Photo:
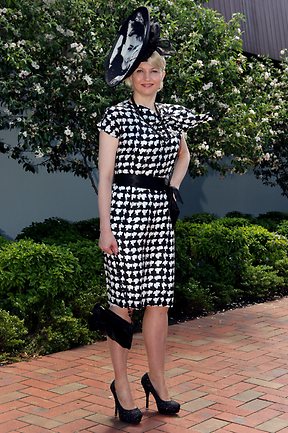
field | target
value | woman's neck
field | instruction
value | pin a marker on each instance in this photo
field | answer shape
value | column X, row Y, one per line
column 146, row 101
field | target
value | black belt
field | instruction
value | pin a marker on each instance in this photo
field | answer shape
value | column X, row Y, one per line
column 141, row 181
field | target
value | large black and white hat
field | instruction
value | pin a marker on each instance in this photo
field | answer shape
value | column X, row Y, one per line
column 136, row 40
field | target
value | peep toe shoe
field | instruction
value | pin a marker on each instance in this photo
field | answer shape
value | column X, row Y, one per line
column 130, row 416
column 165, row 407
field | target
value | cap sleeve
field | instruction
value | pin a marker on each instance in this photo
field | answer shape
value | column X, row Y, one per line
column 110, row 122
column 186, row 118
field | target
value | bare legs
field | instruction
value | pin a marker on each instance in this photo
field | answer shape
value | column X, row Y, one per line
column 155, row 326
column 119, row 357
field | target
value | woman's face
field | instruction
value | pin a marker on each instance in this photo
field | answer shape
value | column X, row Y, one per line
column 147, row 79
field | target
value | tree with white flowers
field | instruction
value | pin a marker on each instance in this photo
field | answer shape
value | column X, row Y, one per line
column 52, row 87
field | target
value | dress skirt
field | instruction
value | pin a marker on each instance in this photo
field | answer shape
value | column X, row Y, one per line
column 142, row 274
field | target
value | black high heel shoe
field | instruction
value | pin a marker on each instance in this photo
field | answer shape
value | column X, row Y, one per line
column 166, row 407
column 131, row 416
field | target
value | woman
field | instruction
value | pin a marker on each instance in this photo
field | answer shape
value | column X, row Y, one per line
column 141, row 149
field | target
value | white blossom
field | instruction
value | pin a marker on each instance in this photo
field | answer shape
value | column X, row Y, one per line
column 175, row 97
column 203, row 146
column 199, row 63
column 39, row 89
column 88, row 79
column 23, row 74
column 60, row 30
column 68, row 132
column 35, row 65
column 69, row 32
column 49, row 37
column 218, row 153
column 267, row 156
column 78, row 47
column 214, row 62
column 39, row 153
column 94, row 114
column 236, row 91
column 267, row 76
column 207, row 86
column 83, row 135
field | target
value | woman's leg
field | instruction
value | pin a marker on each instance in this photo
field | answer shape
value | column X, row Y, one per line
column 155, row 328
column 119, row 357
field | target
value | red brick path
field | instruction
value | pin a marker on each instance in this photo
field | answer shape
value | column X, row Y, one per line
column 228, row 370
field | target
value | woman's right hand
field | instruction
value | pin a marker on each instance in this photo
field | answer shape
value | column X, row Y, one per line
column 107, row 242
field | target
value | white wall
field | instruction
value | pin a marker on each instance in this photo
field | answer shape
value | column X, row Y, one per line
column 246, row 194
column 27, row 197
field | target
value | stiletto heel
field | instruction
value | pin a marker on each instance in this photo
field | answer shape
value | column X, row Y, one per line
column 131, row 416
column 166, row 407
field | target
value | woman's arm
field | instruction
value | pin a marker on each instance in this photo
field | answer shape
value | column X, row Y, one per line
column 181, row 165
column 106, row 163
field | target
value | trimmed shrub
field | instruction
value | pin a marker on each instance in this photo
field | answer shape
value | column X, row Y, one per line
column 200, row 218
column 218, row 254
column 191, row 300
column 12, row 333
column 271, row 220
column 59, row 231
column 282, row 228
column 3, row 241
column 261, row 281
column 51, row 230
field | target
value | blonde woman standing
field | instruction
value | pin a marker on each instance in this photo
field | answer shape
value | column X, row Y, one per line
column 142, row 150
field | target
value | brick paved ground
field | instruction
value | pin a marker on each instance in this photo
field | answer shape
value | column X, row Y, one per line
column 228, row 370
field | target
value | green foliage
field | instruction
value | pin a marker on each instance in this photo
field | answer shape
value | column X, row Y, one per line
column 261, row 281
column 12, row 333
column 282, row 228
column 271, row 220
column 224, row 255
column 47, row 290
column 53, row 90
column 64, row 332
column 3, row 241
column 191, row 300
column 201, row 218
column 51, row 230
column 59, row 231
column 34, row 278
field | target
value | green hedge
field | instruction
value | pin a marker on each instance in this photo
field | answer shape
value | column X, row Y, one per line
column 47, row 289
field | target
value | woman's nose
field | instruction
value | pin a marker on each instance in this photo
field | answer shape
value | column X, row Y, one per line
column 146, row 75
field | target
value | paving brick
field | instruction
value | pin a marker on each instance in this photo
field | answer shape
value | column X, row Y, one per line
column 229, row 371
column 273, row 425
column 210, row 426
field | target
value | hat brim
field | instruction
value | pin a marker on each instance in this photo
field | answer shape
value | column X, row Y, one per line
column 128, row 48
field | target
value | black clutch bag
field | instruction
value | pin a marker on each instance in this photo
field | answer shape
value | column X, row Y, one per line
column 173, row 196
column 118, row 329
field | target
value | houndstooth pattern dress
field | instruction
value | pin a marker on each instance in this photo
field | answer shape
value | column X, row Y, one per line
column 143, row 271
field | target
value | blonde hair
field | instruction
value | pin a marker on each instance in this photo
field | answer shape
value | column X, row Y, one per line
column 156, row 60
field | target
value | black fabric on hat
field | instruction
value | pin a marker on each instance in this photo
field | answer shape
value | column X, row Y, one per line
column 136, row 41
column 128, row 47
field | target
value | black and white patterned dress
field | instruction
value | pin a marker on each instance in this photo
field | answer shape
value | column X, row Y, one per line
column 143, row 272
